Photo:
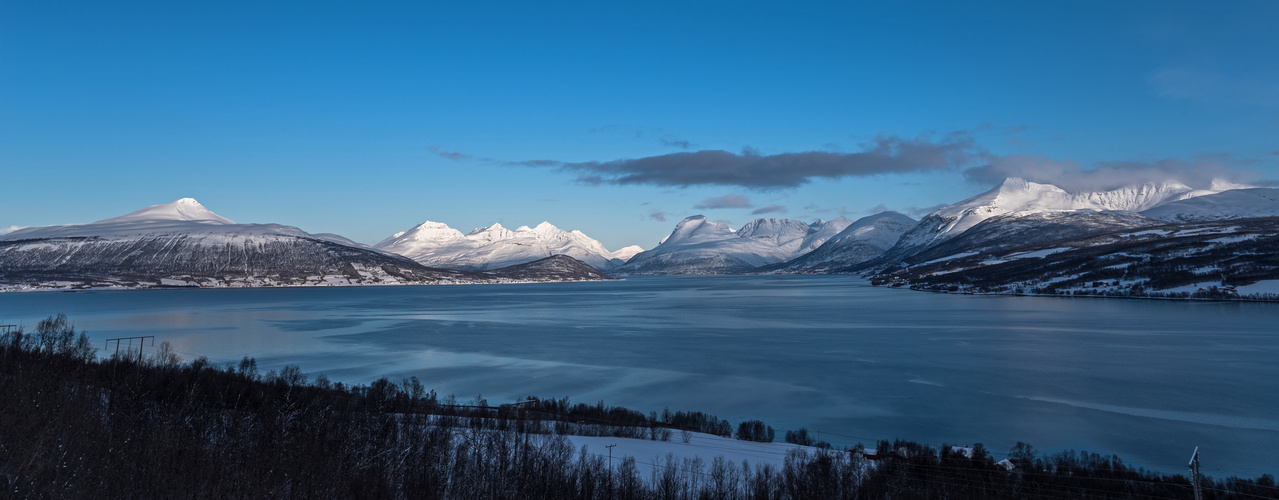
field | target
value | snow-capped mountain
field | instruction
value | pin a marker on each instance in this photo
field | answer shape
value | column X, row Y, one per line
column 435, row 244
column 181, row 215
column 700, row 246
column 859, row 242
column 1029, row 237
column 1017, row 196
column 625, row 253
column 1233, row 204
column 184, row 243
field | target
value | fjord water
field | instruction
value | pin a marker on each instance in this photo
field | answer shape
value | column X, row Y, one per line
column 1148, row 380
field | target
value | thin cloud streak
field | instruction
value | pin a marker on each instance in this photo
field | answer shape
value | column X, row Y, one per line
column 771, row 209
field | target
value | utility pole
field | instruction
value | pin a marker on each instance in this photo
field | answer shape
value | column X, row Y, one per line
column 141, row 343
column 610, row 463
column 1194, row 473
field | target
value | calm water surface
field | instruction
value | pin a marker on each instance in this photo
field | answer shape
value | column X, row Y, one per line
column 1148, row 380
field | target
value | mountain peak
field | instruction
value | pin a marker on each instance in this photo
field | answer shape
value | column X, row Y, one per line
column 431, row 225
column 625, row 253
column 496, row 228
column 184, row 209
column 495, row 246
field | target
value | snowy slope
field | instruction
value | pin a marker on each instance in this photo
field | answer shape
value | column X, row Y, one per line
column 822, row 231
column 1018, row 196
column 858, row 242
column 650, row 454
column 434, row 244
column 700, row 246
column 1232, row 204
column 625, row 253
column 185, row 217
column 182, row 242
column 1122, row 254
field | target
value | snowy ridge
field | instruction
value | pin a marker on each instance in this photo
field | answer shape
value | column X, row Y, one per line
column 435, row 244
column 823, row 230
column 1018, row 196
column 700, row 246
column 1233, row 204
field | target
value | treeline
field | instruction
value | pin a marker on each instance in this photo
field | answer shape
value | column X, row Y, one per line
column 74, row 426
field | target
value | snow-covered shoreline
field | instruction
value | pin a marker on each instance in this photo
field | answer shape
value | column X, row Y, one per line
column 60, row 287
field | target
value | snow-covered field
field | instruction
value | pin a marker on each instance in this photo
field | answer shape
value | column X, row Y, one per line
column 1264, row 286
column 648, row 453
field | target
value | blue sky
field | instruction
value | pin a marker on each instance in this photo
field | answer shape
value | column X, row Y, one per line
column 616, row 119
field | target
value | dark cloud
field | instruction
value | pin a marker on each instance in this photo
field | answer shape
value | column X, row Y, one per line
column 771, row 209
column 1198, row 173
column 883, row 155
column 658, row 215
column 726, row 201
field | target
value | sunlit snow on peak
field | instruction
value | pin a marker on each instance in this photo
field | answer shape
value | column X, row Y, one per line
column 184, row 210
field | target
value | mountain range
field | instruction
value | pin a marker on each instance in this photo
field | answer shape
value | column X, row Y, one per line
column 1018, row 236
column 436, row 244
column 182, row 243
column 700, row 246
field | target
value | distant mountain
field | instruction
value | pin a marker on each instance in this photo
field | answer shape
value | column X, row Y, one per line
column 700, row 246
column 182, row 243
column 553, row 268
column 861, row 241
column 625, row 253
column 437, row 245
column 1233, row 204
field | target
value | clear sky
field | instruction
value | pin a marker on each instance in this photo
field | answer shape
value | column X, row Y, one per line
column 616, row 118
